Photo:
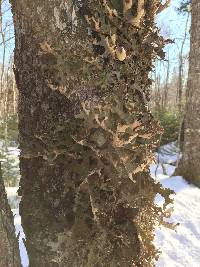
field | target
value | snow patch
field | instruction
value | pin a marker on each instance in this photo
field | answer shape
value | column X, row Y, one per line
column 180, row 248
column 14, row 201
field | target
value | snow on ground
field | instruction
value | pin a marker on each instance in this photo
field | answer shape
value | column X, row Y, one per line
column 13, row 198
column 180, row 248
column 14, row 203
column 18, row 228
column 168, row 154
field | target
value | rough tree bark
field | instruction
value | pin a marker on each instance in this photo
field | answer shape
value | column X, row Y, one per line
column 189, row 165
column 9, row 249
column 86, row 135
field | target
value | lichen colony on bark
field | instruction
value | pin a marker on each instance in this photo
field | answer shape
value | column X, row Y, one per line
column 86, row 135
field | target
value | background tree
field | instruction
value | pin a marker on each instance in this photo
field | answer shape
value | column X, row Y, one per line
column 170, row 76
column 189, row 165
column 86, row 135
column 180, row 72
column 7, row 84
column 8, row 96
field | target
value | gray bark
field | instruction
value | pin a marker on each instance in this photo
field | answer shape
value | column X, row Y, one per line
column 189, row 166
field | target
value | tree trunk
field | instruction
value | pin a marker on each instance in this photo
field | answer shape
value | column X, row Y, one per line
column 9, row 252
column 166, row 88
column 86, row 135
column 189, row 165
